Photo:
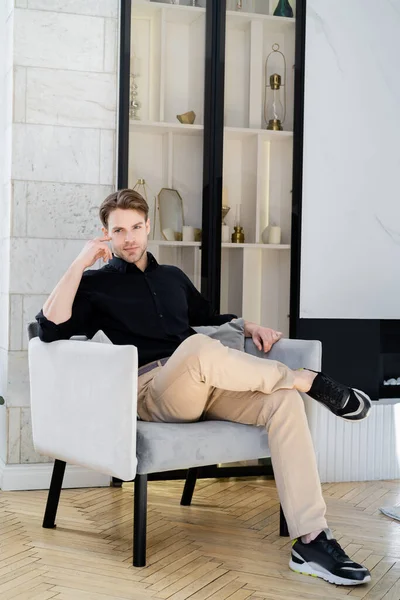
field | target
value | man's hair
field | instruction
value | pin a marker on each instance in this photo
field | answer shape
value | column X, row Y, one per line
column 125, row 199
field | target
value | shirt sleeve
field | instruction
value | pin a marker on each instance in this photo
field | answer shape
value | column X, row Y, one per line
column 78, row 324
column 200, row 310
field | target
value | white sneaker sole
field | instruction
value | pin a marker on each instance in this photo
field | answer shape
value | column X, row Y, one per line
column 367, row 401
column 305, row 569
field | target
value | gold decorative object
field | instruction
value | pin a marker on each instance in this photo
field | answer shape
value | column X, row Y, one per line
column 187, row 118
column 274, row 110
column 238, row 235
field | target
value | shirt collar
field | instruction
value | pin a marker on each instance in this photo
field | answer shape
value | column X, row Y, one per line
column 124, row 267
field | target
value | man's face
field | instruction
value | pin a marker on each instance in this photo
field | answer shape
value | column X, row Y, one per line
column 129, row 231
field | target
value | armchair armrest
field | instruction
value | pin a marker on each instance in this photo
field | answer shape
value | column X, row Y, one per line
column 84, row 400
column 293, row 353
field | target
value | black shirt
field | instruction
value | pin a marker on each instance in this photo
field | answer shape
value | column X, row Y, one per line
column 153, row 310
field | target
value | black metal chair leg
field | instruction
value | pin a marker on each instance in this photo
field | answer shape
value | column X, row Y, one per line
column 190, row 483
column 283, row 528
column 140, row 521
column 115, row 482
column 54, row 494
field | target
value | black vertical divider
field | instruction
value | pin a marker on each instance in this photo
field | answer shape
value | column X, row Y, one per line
column 297, row 185
column 213, row 151
column 124, row 82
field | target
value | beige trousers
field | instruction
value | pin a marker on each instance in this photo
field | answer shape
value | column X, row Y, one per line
column 203, row 378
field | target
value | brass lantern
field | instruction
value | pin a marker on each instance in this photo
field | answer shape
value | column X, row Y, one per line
column 274, row 108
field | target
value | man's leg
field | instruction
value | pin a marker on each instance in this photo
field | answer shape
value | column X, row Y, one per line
column 191, row 383
column 179, row 390
column 203, row 363
column 292, row 453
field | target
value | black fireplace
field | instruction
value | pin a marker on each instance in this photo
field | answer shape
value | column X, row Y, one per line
column 390, row 359
column 363, row 353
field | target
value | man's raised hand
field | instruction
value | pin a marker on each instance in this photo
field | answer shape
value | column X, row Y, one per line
column 93, row 250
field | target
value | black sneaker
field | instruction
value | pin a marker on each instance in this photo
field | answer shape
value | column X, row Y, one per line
column 325, row 558
column 343, row 401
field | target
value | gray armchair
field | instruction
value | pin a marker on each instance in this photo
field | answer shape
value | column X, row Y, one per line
column 84, row 412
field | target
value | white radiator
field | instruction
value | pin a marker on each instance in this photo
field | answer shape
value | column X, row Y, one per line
column 364, row 451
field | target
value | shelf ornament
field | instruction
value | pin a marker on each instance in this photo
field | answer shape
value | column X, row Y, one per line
column 134, row 104
column 274, row 109
column 283, row 9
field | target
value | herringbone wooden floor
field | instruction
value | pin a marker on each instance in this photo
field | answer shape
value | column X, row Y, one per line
column 225, row 545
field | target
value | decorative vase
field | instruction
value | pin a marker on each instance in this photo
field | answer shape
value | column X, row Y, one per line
column 283, row 9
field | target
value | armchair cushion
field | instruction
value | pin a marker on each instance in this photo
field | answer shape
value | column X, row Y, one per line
column 169, row 446
column 230, row 334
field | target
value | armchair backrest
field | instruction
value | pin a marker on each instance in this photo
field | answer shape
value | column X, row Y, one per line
column 84, row 402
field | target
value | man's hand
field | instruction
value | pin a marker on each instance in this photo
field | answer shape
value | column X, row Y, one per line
column 263, row 337
column 92, row 251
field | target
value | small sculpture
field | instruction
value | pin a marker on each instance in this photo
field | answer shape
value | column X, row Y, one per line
column 187, row 118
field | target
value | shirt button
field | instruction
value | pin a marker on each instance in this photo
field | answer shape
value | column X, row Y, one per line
column 160, row 316
column 154, row 293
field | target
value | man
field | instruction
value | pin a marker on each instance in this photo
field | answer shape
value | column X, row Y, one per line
column 184, row 376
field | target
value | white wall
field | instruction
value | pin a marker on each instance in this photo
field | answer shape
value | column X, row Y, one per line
column 6, row 82
column 64, row 66
column 351, row 208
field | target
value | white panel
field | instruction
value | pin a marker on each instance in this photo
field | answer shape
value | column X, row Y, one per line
column 107, row 157
column 373, row 445
column 14, row 440
column 197, row 42
column 48, row 39
column 252, row 278
column 232, row 178
column 110, row 45
column 141, row 64
column 15, row 323
column 351, row 213
column 98, row 8
column 57, row 97
column 47, row 259
column 232, row 281
column 256, row 70
column 3, row 409
column 237, row 77
column 249, row 188
column 77, row 204
column 263, row 178
column 20, row 76
column 48, row 153
column 187, row 175
column 4, row 320
column 177, row 65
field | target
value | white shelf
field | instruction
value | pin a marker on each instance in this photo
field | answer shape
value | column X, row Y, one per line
column 240, row 20
column 224, row 245
column 173, row 13
column 175, row 244
column 240, row 133
column 231, row 133
column 188, row 14
column 258, row 246
column 164, row 127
